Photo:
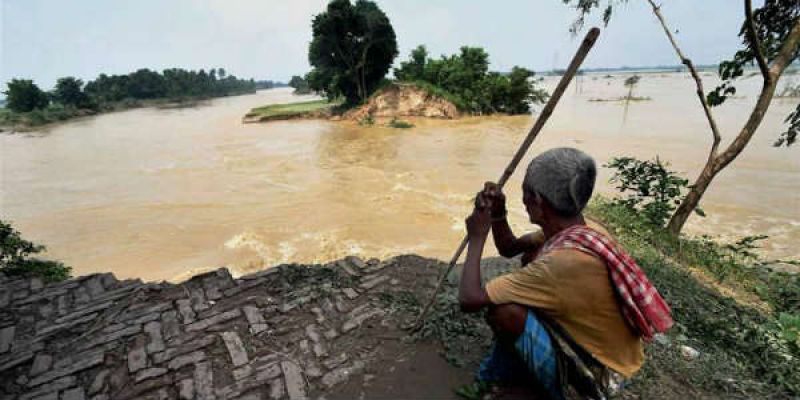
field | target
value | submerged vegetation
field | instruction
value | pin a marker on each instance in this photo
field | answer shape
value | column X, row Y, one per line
column 290, row 110
column 29, row 106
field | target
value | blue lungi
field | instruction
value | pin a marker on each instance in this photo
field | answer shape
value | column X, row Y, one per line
column 534, row 358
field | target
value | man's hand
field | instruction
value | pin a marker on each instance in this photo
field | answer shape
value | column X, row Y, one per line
column 494, row 195
column 480, row 222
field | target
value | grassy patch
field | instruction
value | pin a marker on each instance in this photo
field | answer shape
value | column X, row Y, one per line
column 289, row 110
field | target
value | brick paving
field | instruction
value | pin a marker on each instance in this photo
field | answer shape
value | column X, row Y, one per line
column 282, row 333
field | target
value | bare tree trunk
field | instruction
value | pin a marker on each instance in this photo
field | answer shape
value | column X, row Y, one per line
column 717, row 163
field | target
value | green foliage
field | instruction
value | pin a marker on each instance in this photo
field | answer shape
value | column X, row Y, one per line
column 172, row 83
column 69, row 92
column 400, row 124
column 369, row 120
column 15, row 257
column 352, row 49
column 789, row 136
column 651, row 188
column 23, row 95
column 632, row 81
column 790, row 328
column 466, row 77
column 300, row 85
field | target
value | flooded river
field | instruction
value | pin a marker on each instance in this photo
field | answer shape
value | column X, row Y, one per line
column 163, row 194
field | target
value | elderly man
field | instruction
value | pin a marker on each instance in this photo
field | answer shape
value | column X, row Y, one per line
column 579, row 308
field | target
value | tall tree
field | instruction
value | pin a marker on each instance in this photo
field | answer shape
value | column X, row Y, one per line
column 69, row 92
column 414, row 68
column 23, row 95
column 771, row 41
column 352, row 49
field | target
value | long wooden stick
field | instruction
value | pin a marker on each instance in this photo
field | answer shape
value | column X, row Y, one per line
column 583, row 50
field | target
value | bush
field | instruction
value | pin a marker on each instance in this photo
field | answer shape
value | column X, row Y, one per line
column 15, row 257
column 400, row 124
column 466, row 77
column 651, row 188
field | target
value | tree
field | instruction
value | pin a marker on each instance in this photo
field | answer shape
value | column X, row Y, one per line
column 299, row 84
column 771, row 40
column 414, row 68
column 631, row 83
column 23, row 96
column 69, row 92
column 352, row 49
column 466, row 80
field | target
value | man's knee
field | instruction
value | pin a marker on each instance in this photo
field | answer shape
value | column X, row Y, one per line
column 507, row 320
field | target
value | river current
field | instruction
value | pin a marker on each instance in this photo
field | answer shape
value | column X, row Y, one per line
column 168, row 193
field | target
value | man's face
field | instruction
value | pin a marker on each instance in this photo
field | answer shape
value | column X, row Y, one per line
column 533, row 205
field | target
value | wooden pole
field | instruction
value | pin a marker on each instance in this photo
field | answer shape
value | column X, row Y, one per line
column 580, row 55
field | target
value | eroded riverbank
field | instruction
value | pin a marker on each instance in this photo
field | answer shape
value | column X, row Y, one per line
column 165, row 194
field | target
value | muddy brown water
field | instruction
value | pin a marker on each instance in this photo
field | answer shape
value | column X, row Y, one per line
column 167, row 193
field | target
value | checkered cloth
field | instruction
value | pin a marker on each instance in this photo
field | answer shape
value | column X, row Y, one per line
column 643, row 308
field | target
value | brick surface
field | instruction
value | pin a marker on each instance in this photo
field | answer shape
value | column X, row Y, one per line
column 235, row 348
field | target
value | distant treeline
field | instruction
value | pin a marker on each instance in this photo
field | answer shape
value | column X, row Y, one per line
column 27, row 104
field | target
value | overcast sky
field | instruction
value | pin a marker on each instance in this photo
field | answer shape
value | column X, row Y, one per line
column 268, row 39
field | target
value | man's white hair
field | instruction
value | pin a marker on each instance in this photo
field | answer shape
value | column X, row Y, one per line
column 564, row 177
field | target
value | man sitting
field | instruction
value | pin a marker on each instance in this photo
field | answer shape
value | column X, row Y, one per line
column 580, row 307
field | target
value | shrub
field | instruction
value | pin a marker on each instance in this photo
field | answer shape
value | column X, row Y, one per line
column 651, row 188
column 15, row 257
column 400, row 124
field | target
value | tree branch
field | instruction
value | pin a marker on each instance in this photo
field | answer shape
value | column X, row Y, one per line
column 779, row 64
column 787, row 51
column 699, row 82
column 755, row 42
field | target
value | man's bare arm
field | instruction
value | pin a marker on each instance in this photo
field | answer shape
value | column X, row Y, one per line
column 509, row 245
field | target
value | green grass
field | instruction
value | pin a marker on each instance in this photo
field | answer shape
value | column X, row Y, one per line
column 288, row 110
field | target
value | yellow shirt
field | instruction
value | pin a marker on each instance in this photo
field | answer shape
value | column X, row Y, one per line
column 573, row 289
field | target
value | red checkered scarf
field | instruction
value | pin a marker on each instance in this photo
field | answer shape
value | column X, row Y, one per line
column 643, row 308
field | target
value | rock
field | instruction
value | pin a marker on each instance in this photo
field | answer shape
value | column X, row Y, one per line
column 137, row 359
column 185, row 309
column 255, row 318
column 359, row 319
column 213, row 320
column 350, row 293
column 73, row 394
column 99, row 382
column 82, row 362
column 204, row 381
column 276, row 389
column 372, row 281
column 6, row 338
column 153, row 329
column 293, row 378
column 41, row 364
column 235, row 348
column 186, row 389
column 342, row 374
column 150, row 373
column 186, row 359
